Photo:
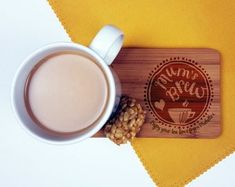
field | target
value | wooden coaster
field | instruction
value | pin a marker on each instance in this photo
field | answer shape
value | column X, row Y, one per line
column 179, row 89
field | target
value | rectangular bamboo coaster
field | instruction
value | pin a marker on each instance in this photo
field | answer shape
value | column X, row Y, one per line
column 179, row 89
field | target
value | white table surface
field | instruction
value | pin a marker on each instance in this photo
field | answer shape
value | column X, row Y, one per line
column 25, row 25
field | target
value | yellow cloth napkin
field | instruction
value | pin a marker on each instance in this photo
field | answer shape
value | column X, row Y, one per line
column 160, row 23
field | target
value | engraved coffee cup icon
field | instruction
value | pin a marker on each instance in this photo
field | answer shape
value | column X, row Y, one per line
column 180, row 115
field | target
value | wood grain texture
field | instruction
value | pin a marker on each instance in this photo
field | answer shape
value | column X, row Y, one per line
column 144, row 75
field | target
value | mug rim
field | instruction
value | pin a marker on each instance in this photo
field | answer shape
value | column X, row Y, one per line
column 110, row 101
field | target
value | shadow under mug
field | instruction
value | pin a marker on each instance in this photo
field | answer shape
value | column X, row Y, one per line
column 103, row 48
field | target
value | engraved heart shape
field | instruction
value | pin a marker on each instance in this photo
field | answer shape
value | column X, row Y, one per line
column 160, row 104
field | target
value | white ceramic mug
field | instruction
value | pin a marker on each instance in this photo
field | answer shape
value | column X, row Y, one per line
column 104, row 48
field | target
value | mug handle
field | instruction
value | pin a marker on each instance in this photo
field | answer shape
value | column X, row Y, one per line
column 107, row 43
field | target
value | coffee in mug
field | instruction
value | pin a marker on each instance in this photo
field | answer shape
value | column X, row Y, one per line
column 66, row 92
